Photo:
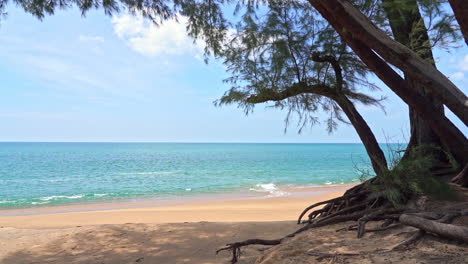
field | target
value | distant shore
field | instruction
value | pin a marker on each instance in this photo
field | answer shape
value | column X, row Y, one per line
column 214, row 208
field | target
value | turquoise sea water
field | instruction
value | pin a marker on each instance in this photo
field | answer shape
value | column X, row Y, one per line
column 38, row 174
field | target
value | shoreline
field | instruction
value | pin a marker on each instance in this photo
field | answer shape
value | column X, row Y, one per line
column 172, row 200
column 236, row 208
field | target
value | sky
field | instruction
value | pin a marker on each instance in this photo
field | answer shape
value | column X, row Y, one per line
column 98, row 78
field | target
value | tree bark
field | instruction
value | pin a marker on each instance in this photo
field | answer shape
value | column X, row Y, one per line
column 445, row 230
column 342, row 14
column 460, row 9
column 442, row 126
column 408, row 28
column 376, row 154
column 378, row 160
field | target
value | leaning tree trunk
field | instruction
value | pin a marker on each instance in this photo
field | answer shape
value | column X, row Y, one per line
column 343, row 16
column 373, row 149
column 379, row 163
column 408, row 28
column 460, row 9
column 442, row 126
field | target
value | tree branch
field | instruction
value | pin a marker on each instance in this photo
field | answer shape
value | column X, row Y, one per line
column 293, row 90
column 334, row 63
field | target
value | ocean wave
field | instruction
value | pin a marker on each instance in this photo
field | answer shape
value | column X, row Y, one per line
column 148, row 173
column 100, row 194
column 270, row 188
column 55, row 197
column 36, row 203
column 6, row 202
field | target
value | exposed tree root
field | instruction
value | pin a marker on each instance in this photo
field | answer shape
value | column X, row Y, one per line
column 408, row 242
column 235, row 247
column 445, row 230
column 462, row 177
column 360, row 205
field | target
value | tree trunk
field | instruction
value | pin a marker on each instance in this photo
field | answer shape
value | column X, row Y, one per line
column 373, row 149
column 443, row 127
column 379, row 163
column 460, row 9
column 408, row 28
column 342, row 14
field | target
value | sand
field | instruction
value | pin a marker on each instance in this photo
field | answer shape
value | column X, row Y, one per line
column 192, row 232
column 163, row 234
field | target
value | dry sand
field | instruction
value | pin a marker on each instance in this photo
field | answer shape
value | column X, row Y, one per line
column 164, row 234
column 191, row 233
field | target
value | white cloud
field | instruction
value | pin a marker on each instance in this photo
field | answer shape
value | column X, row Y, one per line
column 464, row 64
column 86, row 38
column 457, row 76
column 169, row 38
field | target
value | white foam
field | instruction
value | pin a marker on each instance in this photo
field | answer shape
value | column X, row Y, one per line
column 55, row 197
column 148, row 173
column 100, row 194
column 34, row 203
column 188, row 189
column 5, row 202
column 270, row 188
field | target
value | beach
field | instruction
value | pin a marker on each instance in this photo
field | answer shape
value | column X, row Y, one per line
column 191, row 233
column 163, row 234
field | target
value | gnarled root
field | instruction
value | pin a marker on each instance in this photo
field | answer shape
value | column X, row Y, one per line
column 235, row 247
column 361, row 205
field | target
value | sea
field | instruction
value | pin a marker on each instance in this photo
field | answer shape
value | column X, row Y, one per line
column 48, row 174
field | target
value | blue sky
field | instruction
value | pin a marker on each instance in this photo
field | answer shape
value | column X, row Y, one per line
column 101, row 78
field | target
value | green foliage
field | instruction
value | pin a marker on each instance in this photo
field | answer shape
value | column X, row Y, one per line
column 270, row 53
column 412, row 176
column 438, row 22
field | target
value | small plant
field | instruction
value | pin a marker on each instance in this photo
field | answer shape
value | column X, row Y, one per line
column 412, row 176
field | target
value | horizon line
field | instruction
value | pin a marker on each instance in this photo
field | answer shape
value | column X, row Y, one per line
column 193, row 142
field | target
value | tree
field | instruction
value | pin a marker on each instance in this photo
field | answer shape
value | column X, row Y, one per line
column 342, row 14
column 290, row 57
column 408, row 28
column 303, row 69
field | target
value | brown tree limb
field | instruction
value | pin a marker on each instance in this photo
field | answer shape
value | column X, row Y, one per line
column 342, row 14
column 460, row 9
column 378, row 160
column 442, row 126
